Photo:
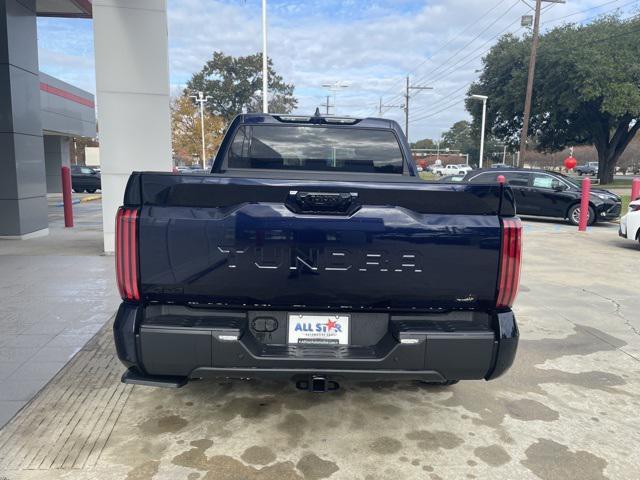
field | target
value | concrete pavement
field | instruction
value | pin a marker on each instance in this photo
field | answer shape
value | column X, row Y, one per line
column 567, row 409
column 56, row 293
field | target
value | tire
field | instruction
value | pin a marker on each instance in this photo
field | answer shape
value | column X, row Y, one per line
column 574, row 215
column 90, row 190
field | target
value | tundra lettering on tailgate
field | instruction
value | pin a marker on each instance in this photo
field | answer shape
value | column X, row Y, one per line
column 324, row 259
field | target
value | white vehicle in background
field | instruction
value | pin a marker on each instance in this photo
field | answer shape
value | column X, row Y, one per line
column 630, row 223
column 461, row 169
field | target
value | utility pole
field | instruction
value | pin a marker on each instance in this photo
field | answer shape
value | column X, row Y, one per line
column 334, row 87
column 265, row 68
column 387, row 106
column 532, row 69
column 408, row 89
column 328, row 97
column 201, row 99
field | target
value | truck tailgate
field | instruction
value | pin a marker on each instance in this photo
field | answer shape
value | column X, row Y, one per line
column 275, row 243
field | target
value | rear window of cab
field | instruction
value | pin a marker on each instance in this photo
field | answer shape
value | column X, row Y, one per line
column 315, row 148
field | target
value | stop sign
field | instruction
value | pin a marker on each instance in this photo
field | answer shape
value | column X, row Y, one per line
column 570, row 162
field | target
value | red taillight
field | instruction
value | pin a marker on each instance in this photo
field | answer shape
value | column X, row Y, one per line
column 510, row 257
column 127, row 253
column 634, row 207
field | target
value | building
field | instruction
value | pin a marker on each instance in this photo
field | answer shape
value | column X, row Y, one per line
column 38, row 116
column 37, row 112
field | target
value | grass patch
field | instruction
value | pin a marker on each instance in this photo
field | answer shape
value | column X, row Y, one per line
column 428, row 176
column 625, row 204
column 617, row 183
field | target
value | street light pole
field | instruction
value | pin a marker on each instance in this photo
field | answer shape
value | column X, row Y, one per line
column 333, row 88
column 483, row 98
column 201, row 99
column 265, row 67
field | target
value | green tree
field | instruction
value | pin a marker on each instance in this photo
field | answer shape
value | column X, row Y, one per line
column 465, row 137
column 424, row 143
column 235, row 86
column 586, row 89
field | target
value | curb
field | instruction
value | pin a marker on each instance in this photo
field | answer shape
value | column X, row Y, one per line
column 75, row 201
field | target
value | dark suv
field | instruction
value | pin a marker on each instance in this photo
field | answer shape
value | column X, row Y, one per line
column 550, row 194
column 85, row 179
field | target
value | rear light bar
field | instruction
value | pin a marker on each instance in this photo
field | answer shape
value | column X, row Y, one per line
column 510, row 259
column 127, row 253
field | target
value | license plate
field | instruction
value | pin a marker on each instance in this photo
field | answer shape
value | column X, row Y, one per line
column 319, row 329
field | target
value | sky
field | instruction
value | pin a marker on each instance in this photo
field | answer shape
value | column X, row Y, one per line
column 368, row 46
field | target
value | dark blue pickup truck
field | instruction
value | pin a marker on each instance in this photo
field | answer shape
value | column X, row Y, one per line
column 314, row 252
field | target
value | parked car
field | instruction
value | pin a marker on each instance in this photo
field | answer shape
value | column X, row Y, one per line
column 313, row 251
column 630, row 223
column 551, row 194
column 452, row 169
column 85, row 179
column 499, row 165
column 587, row 169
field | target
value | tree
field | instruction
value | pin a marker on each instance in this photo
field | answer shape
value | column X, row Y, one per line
column 586, row 89
column 465, row 137
column 425, row 143
column 186, row 130
column 235, row 86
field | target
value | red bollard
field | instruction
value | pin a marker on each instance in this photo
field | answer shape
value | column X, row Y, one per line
column 635, row 188
column 501, row 179
column 584, row 204
column 66, row 197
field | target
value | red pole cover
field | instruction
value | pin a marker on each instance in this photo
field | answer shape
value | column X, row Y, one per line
column 66, row 197
column 584, row 204
column 635, row 188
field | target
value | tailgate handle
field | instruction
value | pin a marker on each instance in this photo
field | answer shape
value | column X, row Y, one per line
column 324, row 202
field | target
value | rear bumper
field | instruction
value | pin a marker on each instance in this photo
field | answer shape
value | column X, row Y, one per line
column 457, row 346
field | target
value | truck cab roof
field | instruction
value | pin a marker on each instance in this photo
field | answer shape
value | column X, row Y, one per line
column 277, row 118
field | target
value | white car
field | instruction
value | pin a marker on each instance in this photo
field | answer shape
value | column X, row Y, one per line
column 452, row 169
column 630, row 223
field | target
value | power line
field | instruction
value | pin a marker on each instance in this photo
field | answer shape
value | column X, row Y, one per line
column 587, row 10
column 448, row 42
column 433, row 72
column 455, row 102
column 446, row 107
column 473, row 55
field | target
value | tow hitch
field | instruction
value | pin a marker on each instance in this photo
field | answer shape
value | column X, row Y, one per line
column 317, row 384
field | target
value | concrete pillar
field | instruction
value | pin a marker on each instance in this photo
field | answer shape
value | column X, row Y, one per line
column 132, row 83
column 56, row 154
column 23, row 201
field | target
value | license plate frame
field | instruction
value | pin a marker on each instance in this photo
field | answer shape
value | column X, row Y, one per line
column 330, row 329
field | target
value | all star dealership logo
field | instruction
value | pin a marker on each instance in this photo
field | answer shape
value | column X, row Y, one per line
column 328, row 326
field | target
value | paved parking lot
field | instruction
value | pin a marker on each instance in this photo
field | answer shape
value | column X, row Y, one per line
column 567, row 409
column 56, row 293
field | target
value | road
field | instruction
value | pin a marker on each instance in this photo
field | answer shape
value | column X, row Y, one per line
column 567, row 409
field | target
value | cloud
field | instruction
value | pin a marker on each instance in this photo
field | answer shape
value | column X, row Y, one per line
column 369, row 44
